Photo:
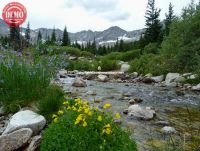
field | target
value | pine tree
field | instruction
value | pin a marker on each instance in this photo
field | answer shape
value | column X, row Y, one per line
column 169, row 18
column 27, row 35
column 65, row 39
column 39, row 37
column 121, row 45
column 53, row 37
column 14, row 37
column 153, row 26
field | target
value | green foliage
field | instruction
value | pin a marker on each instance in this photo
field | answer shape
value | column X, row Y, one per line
column 51, row 101
column 20, row 83
column 82, row 65
column 181, row 49
column 148, row 63
column 108, row 65
column 153, row 31
column 151, row 48
column 79, row 127
column 65, row 39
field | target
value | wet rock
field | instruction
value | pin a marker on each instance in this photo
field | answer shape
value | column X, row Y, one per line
column 136, row 111
column 102, row 78
column 172, row 84
column 131, row 102
column 193, row 76
column 62, row 74
column 148, row 80
column 180, row 93
column 163, row 123
column 79, row 82
column 168, row 130
column 196, row 88
column 171, row 77
column 118, row 121
column 35, row 142
column 26, row 119
column 72, row 58
column 125, row 67
column 158, row 78
column 91, row 93
column 89, row 76
column 125, row 111
column 134, row 101
column 15, row 140
column 149, row 75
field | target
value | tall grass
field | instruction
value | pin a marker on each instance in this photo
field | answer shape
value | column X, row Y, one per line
column 21, row 83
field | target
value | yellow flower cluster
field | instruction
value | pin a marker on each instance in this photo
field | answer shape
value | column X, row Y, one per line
column 107, row 129
column 84, row 113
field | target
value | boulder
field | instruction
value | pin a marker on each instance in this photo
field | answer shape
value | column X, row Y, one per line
column 26, row 119
column 102, row 78
column 143, row 113
column 62, row 74
column 35, row 142
column 196, row 88
column 125, row 67
column 79, row 82
column 158, row 78
column 134, row 74
column 15, row 140
column 172, row 77
column 134, row 101
column 149, row 75
column 148, row 80
column 168, row 130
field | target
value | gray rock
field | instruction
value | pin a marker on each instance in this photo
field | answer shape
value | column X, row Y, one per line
column 62, row 74
column 196, row 88
column 15, row 140
column 102, row 78
column 91, row 93
column 131, row 102
column 163, row 123
column 168, row 130
column 79, row 82
column 125, row 111
column 142, row 113
column 72, row 58
column 193, row 76
column 35, row 142
column 172, row 77
column 149, row 75
column 125, row 67
column 158, row 78
column 26, row 119
column 148, row 80
column 134, row 101
column 118, row 121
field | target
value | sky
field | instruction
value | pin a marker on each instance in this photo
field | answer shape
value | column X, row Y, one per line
column 96, row 15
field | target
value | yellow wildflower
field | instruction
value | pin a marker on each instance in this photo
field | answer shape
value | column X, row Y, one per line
column 60, row 112
column 99, row 118
column 69, row 108
column 84, row 124
column 107, row 129
column 89, row 113
column 107, row 105
column 65, row 103
column 117, row 116
column 86, row 111
column 55, row 120
column 54, row 116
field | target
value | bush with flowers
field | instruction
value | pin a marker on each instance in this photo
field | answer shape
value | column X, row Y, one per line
column 80, row 127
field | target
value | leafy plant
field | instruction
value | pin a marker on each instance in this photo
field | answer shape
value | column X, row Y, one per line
column 80, row 127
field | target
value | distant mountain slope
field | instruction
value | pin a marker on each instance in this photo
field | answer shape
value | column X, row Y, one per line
column 109, row 35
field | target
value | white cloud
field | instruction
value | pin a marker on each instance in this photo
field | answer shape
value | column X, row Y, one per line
column 91, row 14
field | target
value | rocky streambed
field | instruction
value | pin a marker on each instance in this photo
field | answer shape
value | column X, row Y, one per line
column 154, row 114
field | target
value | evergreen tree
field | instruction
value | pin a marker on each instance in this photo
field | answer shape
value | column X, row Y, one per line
column 14, row 37
column 153, row 31
column 27, row 35
column 169, row 18
column 121, row 45
column 39, row 37
column 65, row 39
column 53, row 37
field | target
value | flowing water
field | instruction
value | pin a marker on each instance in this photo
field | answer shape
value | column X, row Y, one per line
column 180, row 108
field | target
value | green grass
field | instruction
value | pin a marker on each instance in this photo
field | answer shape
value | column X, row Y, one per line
column 77, row 127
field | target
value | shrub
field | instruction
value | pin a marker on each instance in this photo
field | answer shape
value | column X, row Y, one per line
column 79, row 127
column 151, row 48
column 148, row 63
column 84, row 65
column 108, row 65
column 51, row 102
column 21, row 83
column 129, row 55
